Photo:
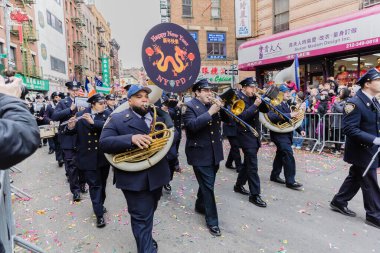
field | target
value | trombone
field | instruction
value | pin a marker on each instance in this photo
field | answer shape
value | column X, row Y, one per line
column 237, row 106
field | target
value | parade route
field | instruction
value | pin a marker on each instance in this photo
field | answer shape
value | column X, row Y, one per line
column 294, row 221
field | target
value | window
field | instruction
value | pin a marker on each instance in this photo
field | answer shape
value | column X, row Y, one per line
column 216, row 45
column 194, row 34
column 187, row 8
column 1, row 47
column 12, row 55
column 215, row 8
column 54, row 22
column 281, row 16
column 369, row 3
column 57, row 65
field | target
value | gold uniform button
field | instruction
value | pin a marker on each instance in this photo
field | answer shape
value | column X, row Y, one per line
column 212, row 132
column 89, row 133
column 89, row 141
column 96, row 141
column 95, row 134
column 213, row 141
column 96, row 147
column 89, row 148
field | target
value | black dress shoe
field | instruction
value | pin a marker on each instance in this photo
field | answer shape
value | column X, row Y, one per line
column 100, row 222
column 83, row 189
column 200, row 210
column 76, row 197
column 342, row 209
column 51, row 151
column 240, row 189
column 230, row 167
column 372, row 222
column 168, row 188
column 294, row 186
column 60, row 163
column 155, row 245
column 214, row 230
column 277, row 180
column 257, row 201
column 105, row 210
column 40, row 145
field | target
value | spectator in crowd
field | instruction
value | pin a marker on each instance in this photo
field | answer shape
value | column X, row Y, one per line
column 291, row 86
column 298, row 140
column 336, row 122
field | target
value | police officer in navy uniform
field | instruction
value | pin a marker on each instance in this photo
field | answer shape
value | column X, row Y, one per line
column 142, row 190
column 204, row 149
column 175, row 111
column 249, row 142
column 111, row 102
column 66, row 109
column 284, row 155
column 230, row 131
column 361, row 125
column 55, row 98
column 90, row 159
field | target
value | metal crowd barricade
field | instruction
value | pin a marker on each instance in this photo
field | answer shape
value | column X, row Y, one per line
column 310, row 124
column 332, row 130
column 7, row 227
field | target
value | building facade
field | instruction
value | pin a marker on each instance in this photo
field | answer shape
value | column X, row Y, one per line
column 22, row 55
column 211, row 23
column 330, row 38
column 52, row 43
column 114, row 56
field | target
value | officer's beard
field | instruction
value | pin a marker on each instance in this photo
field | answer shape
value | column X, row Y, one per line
column 142, row 111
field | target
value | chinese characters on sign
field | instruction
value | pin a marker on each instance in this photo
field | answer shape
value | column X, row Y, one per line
column 106, row 71
column 215, row 74
column 243, row 18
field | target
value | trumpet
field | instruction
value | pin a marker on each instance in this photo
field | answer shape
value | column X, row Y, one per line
column 217, row 100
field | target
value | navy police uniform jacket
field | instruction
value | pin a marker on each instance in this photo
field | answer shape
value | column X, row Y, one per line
column 116, row 138
column 230, row 128
column 361, row 125
column 203, row 135
column 48, row 113
column 275, row 118
column 62, row 113
column 251, row 116
column 89, row 156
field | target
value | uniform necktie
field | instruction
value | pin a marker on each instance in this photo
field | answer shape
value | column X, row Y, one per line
column 376, row 103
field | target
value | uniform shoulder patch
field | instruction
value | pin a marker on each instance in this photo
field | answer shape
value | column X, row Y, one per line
column 349, row 107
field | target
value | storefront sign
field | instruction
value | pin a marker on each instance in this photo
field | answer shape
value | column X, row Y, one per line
column 243, row 18
column 106, row 71
column 216, row 37
column 215, row 74
column 34, row 83
column 342, row 34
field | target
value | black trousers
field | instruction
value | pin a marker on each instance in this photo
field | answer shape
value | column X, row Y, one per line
column 76, row 177
column 284, row 159
column 205, row 198
column 141, row 207
column 234, row 155
column 249, row 171
column 370, row 189
column 2, row 250
column 57, row 148
column 97, row 182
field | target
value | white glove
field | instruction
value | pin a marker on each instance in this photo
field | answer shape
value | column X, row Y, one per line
column 376, row 141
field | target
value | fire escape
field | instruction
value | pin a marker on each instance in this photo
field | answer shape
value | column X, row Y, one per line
column 80, row 43
column 101, row 44
column 29, row 35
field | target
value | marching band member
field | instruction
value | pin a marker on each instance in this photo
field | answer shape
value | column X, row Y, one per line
column 250, row 143
column 142, row 190
column 361, row 124
column 204, row 149
column 53, row 142
column 111, row 102
column 89, row 158
column 284, row 155
column 66, row 109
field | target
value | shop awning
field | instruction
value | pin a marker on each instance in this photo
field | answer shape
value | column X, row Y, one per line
column 356, row 30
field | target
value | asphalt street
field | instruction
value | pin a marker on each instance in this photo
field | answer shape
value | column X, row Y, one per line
column 294, row 221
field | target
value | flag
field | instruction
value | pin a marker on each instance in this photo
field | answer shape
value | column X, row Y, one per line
column 98, row 83
column 297, row 74
column 89, row 88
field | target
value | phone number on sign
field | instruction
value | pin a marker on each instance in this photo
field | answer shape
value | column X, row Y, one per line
column 362, row 43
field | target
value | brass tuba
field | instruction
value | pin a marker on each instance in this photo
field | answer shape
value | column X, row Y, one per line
column 137, row 159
